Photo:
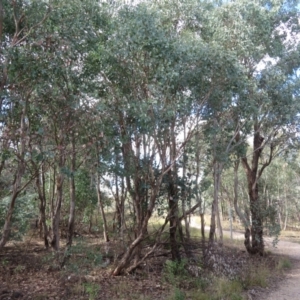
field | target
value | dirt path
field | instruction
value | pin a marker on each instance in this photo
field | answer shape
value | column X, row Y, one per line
column 289, row 287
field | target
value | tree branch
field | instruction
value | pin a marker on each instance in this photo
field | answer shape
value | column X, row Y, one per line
column 17, row 42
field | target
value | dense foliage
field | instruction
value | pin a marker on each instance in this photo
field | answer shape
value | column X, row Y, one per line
column 161, row 107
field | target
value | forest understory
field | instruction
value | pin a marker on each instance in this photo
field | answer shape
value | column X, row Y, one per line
column 29, row 271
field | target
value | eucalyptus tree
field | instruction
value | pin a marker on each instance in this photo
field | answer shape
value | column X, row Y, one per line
column 256, row 34
column 278, row 193
column 154, row 80
column 282, row 193
column 129, row 68
column 43, row 48
column 220, row 128
column 215, row 69
column 62, row 106
column 18, row 22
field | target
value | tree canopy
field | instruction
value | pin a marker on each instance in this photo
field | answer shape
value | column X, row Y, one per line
column 149, row 107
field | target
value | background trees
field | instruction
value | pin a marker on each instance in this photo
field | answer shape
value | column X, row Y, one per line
column 154, row 106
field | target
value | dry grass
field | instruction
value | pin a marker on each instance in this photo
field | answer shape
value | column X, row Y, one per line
column 290, row 235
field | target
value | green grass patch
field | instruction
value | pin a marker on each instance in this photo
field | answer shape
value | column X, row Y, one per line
column 256, row 275
column 283, row 264
column 219, row 289
column 227, row 289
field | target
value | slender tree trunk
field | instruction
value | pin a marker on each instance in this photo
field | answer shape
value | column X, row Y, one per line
column 52, row 189
column 186, row 220
column 55, row 242
column 214, row 210
column 202, row 226
column 173, row 198
column 280, row 204
column 219, row 223
column 198, row 193
column 117, row 218
column 173, row 208
column 127, row 256
column 40, row 184
column 118, row 199
column 280, row 219
column 101, row 209
column 71, row 223
column 285, row 205
column 184, row 194
column 286, row 215
column 122, row 209
column 130, row 252
column 235, row 199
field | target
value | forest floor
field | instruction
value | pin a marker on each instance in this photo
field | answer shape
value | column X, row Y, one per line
column 29, row 271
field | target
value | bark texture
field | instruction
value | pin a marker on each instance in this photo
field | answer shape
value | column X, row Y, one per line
column 254, row 242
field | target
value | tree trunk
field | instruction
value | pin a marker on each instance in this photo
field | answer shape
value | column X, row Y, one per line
column 59, row 181
column 117, row 218
column 127, row 256
column 214, row 210
column 198, row 192
column 285, row 206
column 219, row 223
column 184, row 193
column 119, row 213
column 256, row 245
column 202, row 226
column 173, row 198
column 254, row 242
column 130, row 252
column 235, row 200
column 71, row 223
column 40, row 184
column 56, row 216
column 173, row 208
column 101, row 209
column 51, row 191
column 120, row 209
